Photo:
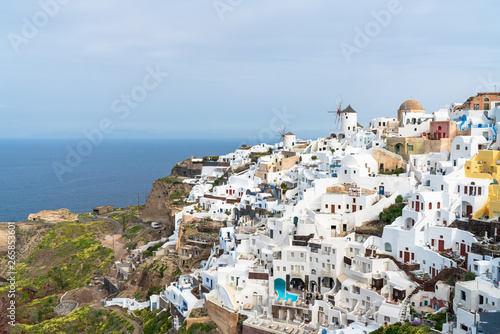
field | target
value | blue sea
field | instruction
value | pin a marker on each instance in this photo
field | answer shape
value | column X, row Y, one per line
column 40, row 175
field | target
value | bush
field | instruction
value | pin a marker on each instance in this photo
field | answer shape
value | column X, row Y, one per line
column 389, row 215
column 451, row 280
column 469, row 276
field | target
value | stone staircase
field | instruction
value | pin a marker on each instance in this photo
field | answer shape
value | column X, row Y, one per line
column 405, row 307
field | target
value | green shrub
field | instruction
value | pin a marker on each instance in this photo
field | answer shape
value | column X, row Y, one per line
column 469, row 276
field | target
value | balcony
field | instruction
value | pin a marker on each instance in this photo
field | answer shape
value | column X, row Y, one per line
column 297, row 274
column 327, row 273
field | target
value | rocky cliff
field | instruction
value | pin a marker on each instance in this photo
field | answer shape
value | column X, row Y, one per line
column 54, row 216
column 187, row 169
column 161, row 205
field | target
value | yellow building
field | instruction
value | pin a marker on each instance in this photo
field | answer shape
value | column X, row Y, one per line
column 486, row 165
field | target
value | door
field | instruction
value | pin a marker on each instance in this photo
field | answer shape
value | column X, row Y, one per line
column 407, row 257
column 462, row 250
column 441, row 245
column 381, row 190
column 332, row 208
column 468, row 213
column 354, row 208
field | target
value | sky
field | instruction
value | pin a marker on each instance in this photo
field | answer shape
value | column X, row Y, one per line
column 234, row 68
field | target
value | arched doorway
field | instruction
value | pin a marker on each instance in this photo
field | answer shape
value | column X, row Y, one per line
column 399, row 148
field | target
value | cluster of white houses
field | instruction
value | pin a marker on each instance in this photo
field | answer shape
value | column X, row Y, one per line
column 298, row 254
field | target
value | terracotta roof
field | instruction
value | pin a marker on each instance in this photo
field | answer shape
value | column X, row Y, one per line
column 411, row 104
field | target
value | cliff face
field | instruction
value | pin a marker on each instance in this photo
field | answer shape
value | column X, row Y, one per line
column 187, row 169
column 54, row 216
column 160, row 205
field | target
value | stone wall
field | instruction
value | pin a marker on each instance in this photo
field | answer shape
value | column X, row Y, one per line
column 249, row 329
column 187, row 169
column 259, row 276
column 226, row 320
column 192, row 321
column 479, row 227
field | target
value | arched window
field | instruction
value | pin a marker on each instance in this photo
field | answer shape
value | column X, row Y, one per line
column 388, row 247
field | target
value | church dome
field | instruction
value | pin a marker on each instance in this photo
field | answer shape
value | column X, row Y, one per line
column 411, row 104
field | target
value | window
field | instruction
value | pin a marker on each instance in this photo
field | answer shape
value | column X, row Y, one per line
column 464, row 328
column 293, row 255
column 481, row 299
column 439, row 205
column 430, row 206
column 410, row 147
column 463, row 295
column 476, row 106
column 458, row 147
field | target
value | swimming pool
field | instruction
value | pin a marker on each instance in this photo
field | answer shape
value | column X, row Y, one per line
column 279, row 286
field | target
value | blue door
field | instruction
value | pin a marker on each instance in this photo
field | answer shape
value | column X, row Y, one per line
column 381, row 190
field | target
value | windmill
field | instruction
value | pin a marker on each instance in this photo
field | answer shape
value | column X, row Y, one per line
column 339, row 108
column 282, row 133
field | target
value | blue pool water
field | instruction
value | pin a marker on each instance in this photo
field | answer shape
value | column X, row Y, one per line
column 279, row 286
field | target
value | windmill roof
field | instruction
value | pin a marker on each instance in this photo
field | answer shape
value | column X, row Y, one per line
column 289, row 134
column 349, row 109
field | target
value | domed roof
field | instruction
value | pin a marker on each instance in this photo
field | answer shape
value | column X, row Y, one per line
column 411, row 104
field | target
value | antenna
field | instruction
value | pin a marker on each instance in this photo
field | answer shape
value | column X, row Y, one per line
column 339, row 108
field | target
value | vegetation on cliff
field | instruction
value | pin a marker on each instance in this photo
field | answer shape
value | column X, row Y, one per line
column 66, row 257
column 155, row 322
column 389, row 215
column 399, row 328
column 82, row 320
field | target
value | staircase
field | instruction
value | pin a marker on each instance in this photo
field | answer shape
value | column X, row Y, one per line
column 405, row 307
